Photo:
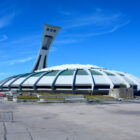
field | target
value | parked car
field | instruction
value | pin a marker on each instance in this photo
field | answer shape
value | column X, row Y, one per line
column 2, row 94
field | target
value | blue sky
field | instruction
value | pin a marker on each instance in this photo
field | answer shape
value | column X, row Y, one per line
column 105, row 33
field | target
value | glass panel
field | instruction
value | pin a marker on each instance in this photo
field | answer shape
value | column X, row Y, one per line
column 109, row 73
column 93, row 72
column 26, row 75
column 67, row 72
column 82, row 72
column 53, row 73
column 121, row 74
column 37, row 74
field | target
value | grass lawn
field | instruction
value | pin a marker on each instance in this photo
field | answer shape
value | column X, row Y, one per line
column 54, row 94
column 97, row 97
column 27, row 97
column 9, row 98
column 85, row 96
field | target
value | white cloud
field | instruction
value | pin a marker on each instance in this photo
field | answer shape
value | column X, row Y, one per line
column 3, row 38
column 65, row 41
column 113, row 29
column 53, row 49
column 3, row 74
column 6, row 19
column 16, row 61
column 26, row 39
column 24, row 60
column 98, row 23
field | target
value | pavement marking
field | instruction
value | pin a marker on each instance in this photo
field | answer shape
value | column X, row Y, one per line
column 5, row 131
column 6, row 116
column 29, row 134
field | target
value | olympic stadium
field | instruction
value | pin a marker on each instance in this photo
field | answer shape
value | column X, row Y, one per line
column 69, row 78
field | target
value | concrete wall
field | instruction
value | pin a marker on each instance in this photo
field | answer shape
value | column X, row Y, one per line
column 121, row 92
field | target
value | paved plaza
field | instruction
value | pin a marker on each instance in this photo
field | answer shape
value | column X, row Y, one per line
column 67, row 121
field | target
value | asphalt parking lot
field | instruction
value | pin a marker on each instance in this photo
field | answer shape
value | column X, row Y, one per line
column 69, row 121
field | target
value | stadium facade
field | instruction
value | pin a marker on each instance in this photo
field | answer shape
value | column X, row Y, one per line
column 67, row 78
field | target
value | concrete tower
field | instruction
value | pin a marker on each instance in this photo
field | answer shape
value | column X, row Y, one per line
column 49, row 35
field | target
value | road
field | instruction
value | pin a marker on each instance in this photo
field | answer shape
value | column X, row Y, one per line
column 69, row 121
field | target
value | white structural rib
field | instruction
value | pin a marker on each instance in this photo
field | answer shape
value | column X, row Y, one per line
column 18, row 77
column 134, row 80
column 34, row 86
column 4, row 82
column 54, row 81
column 20, row 85
column 75, row 80
column 121, row 78
column 91, row 79
column 107, row 78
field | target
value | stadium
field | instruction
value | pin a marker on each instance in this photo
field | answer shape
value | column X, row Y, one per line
column 69, row 78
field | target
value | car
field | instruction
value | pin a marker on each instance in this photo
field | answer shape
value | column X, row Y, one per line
column 2, row 94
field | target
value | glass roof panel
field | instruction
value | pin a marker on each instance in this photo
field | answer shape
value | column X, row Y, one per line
column 82, row 72
column 121, row 74
column 93, row 72
column 67, row 73
column 109, row 73
column 38, row 74
column 53, row 73
column 26, row 75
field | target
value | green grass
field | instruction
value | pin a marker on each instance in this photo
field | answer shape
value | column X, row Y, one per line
column 85, row 96
column 122, row 86
column 97, row 97
column 54, row 94
column 126, row 98
column 137, row 96
column 27, row 97
column 9, row 98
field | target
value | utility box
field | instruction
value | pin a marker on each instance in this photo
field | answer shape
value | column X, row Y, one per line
column 121, row 93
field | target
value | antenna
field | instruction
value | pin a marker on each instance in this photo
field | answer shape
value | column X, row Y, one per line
column 49, row 34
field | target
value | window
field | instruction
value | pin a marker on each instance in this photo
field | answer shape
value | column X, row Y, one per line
column 44, row 87
column 64, row 87
column 53, row 73
column 38, row 74
column 101, row 87
column 82, row 86
column 26, row 75
column 67, row 73
column 51, row 30
column 109, row 73
column 82, row 72
column 93, row 72
column 121, row 74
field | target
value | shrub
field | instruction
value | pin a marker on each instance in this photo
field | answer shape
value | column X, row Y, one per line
column 10, row 98
column 58, row 94
column 27, row 97
column 123, row 86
